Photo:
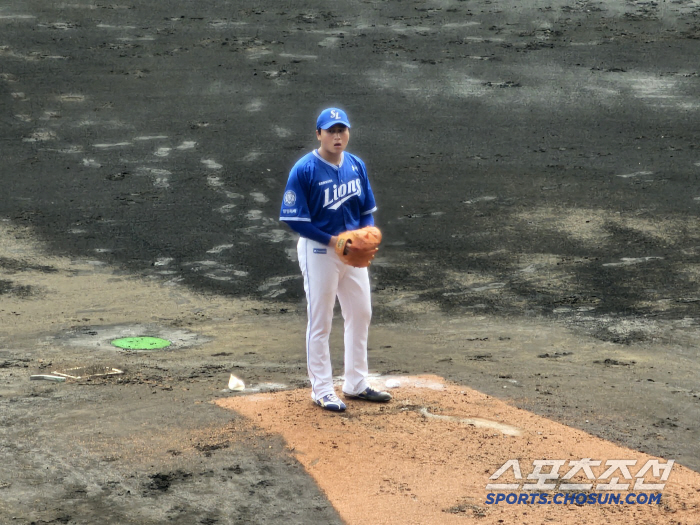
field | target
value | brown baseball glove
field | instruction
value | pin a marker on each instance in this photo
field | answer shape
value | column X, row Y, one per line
column 357, row 247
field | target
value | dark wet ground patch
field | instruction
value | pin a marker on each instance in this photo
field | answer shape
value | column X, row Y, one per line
column 613, row 362
column 12, row 265
column 452, row 176
column 213, row 471
column 554, row 355
column 19, row 290
column 16, row 362
column 162, row 481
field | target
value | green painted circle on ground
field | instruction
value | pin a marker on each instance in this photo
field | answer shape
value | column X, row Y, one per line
column 141, row 343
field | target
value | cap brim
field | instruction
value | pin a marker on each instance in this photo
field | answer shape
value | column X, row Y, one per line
column 333, row 123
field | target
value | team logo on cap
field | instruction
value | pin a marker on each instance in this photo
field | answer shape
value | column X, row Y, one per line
column 335, row 114
column 290, row 198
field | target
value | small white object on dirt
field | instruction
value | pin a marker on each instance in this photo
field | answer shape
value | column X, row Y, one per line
column 393, row 383
column 46, row 377
column 235, row 384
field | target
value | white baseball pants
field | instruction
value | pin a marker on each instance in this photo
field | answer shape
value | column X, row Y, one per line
column 325, row 278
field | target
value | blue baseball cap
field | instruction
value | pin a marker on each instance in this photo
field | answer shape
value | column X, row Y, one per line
column 330, row 117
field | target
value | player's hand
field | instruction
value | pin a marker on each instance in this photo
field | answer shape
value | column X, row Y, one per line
column 350, row 248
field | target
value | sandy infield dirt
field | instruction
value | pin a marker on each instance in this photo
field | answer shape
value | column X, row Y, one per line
column 423, row 458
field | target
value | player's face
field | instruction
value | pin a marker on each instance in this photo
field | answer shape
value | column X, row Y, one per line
column 335, row 139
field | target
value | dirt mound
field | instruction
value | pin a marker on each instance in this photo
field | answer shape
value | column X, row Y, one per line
column 428, row 456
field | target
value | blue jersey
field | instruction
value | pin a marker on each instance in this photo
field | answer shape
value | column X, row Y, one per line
column 332, row 198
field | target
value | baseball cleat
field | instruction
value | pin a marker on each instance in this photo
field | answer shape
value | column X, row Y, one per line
column 369, row 394
column 331, row 402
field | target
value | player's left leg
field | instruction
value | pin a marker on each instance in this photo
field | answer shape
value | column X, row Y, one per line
column 356, row 305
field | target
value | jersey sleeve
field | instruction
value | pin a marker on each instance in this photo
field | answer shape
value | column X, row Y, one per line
column 366, row 220
column 369, row 205
column 294, row 202
column 308, row 230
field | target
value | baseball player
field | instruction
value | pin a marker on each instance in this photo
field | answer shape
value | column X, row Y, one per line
column 328, row 193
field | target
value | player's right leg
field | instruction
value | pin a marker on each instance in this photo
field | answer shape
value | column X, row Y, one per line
column 320, row 268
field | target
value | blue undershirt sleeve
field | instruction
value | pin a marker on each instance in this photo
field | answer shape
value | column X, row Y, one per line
column 308, row 230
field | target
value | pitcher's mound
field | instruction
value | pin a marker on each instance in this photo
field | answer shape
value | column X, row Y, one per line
column 427, row 458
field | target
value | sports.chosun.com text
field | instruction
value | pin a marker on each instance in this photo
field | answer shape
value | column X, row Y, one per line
column 574, row 498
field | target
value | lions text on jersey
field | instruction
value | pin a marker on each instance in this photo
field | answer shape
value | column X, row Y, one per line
column 332, row 198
